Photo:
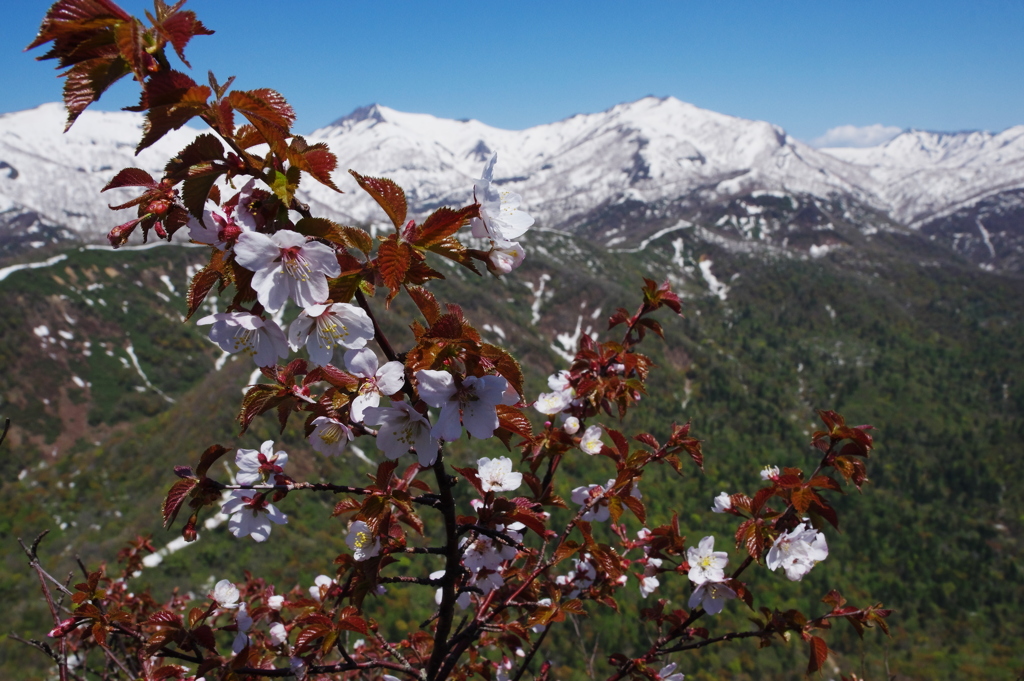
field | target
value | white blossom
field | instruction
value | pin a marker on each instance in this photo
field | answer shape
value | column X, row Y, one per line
column 402, row 427
column 321, row 585
column 387, row 380
column 323, row 328
column 463, row 600
column 769, row 472
column 496, row 475
column 650, row 581
column 552, row 403
column 275, row 602
column 560, row 382
column 278, row 634
column 219, row 228
column 243, row 622
column 723, row 502
column 256, row 467
column 505, row 256
column 797, row 551
column 500, row 218
column 571, row 425
column 706, row 564
column 591, row 440
column 667, row 675
column 581, row 577
column 250, row 516
column 363, row 544
column 598, row 512
column 261, row 339
column 287, row 266
column 711, row 596
column 226, row 594
column 649, row 585
column 473, row 406
column 329, row 436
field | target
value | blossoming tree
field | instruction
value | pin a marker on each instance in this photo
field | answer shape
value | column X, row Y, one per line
column 509, row 574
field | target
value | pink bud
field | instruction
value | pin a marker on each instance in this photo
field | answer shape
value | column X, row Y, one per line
column 64, row 627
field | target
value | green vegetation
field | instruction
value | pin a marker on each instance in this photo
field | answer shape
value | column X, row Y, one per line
column 925, row 348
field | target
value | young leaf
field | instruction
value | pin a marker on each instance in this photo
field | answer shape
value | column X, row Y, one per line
column 386, row 193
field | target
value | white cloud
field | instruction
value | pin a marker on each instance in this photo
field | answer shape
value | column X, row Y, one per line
column 856, row 136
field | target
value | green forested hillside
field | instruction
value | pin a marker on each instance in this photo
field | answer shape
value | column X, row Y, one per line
column 924, row 347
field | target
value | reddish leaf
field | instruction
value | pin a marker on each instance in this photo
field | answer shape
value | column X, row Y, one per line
column 131, row 45
column 818, row 654
column 393, row 261
column 175, row 498
column 443, row 223
column 426, row 302
column 513, row 420
column 317, row 160
column 86, row 81
column 131, row 177
column 505, row 364
column 208, row 458
column 179, row 28
column 386, row 193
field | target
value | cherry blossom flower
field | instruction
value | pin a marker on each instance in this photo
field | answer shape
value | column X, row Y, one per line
column 553, row 403
column 571, row 425
column 278, row 634
column 463, row 600
column 220, row 228
column 500, row 218
column 256, row 467
column 581, row 577
column 591, row 440
column 251, row 515
column 402, row 427
column 364, row 545
column 244, row 622
column 770, row 473
column 797, row 551
column 474, row 405
column 226, row 594
column 321, row 585
column 723, row 502
column 298, row 667
column 666, row 673
column 387, row 380
column 329, row 436
column 496, row 475
column 261, row 339
column 324, row 328
column 247, row 206
column 560, row 382
column 711, row 596
column 706, row 564
column 505, row 256
column 598, row 512
column 287, row 266
column 650, row 582
column 275, row 602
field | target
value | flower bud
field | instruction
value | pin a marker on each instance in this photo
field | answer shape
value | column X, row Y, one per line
column 64, row 627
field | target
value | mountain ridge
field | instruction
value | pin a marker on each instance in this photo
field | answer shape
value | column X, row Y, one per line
column 651, row 152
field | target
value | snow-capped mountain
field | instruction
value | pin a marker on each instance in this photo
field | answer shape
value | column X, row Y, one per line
column 921, row 175
column 650, row 152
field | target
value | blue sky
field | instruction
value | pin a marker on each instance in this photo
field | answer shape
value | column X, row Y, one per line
column 807, row 66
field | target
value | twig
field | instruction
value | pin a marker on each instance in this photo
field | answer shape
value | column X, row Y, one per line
column 533, row 651
column 7, row 426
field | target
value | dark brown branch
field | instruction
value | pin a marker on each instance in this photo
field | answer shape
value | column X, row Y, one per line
column 7, row 426
column 533, row 651
column 446, row 610
column 493, row 534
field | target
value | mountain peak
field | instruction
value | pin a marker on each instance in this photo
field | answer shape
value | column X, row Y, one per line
column 372, row 112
